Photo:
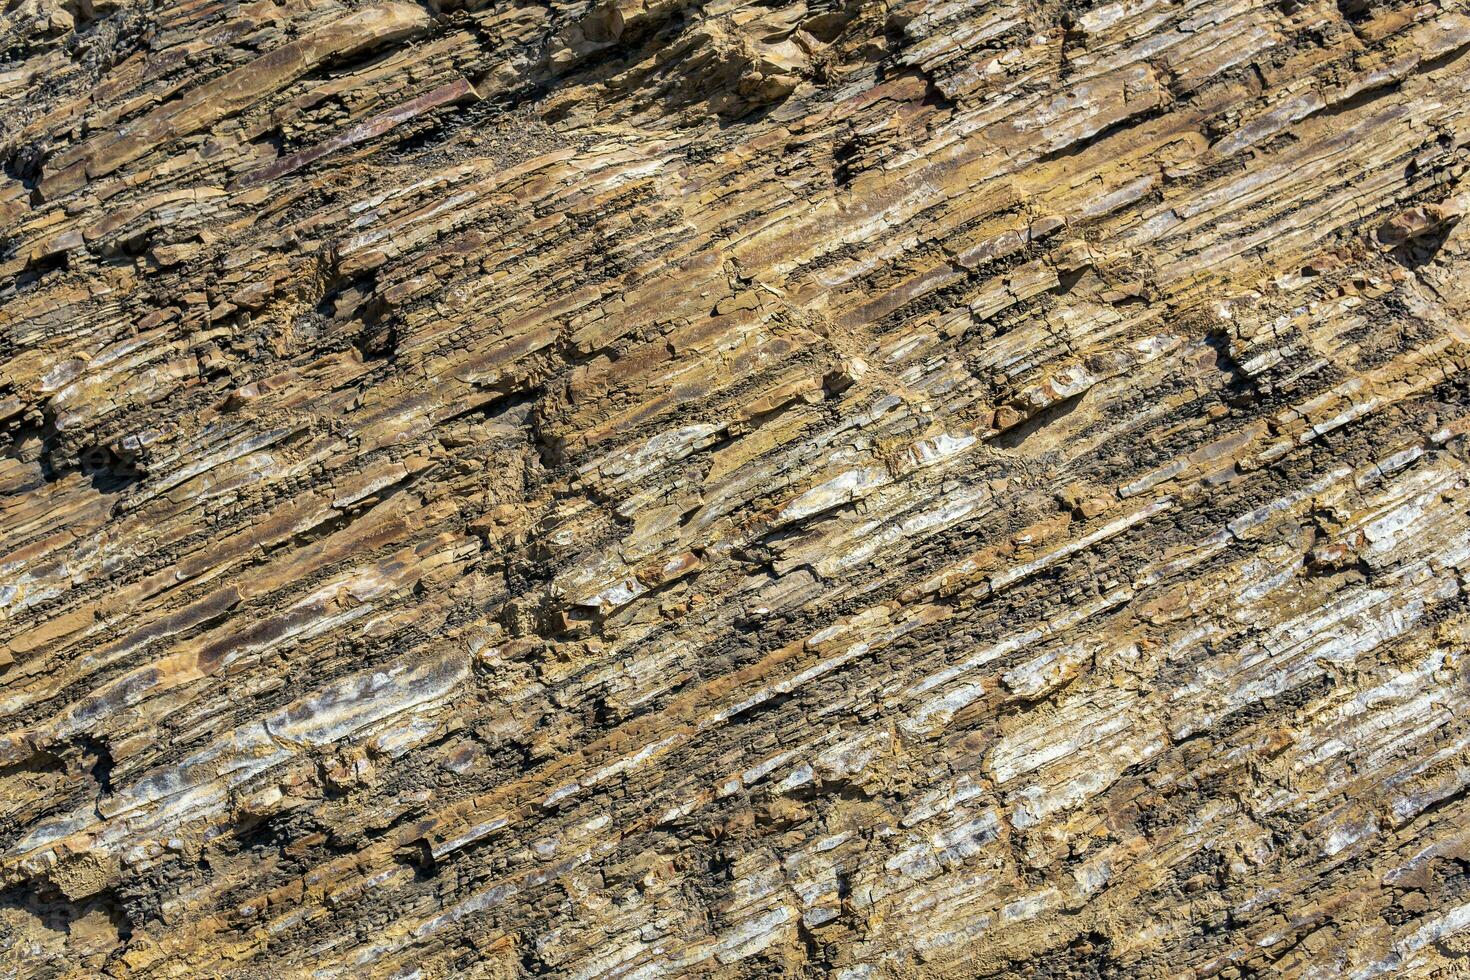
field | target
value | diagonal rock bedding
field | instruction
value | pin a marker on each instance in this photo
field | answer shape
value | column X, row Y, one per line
column 667, row 488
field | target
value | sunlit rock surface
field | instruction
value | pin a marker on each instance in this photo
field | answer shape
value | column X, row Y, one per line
column 652, row 488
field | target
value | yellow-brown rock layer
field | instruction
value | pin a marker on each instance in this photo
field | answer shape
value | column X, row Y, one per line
column 663, row 488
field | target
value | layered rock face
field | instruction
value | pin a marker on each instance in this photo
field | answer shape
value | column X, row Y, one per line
column 656, row 488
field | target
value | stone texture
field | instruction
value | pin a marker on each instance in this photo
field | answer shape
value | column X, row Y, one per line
column 854, row 489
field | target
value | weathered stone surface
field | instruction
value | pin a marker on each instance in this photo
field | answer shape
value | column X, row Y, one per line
column 664, row 488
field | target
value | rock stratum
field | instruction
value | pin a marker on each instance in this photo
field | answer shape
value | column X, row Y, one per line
column 652, row 488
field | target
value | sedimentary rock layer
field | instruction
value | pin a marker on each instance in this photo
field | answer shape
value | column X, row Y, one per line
column 653, row 488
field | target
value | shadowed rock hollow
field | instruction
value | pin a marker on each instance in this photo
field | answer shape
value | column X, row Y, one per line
column 654, row 488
